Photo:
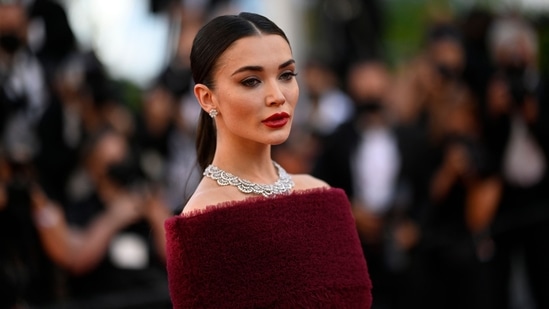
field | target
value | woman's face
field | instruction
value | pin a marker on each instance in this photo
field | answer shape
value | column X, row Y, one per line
column 255, row 90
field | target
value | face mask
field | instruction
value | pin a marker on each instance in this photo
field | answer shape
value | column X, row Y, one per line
column 514, row 70
column 10, row 42
column 369, row 106
column 515, row 77
column 447, row 72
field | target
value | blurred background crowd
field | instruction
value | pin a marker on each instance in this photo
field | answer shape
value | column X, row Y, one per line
column 433, row 116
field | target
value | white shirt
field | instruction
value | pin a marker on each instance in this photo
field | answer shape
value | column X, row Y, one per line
column 376, row 166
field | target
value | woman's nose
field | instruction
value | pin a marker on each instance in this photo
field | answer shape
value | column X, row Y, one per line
column 274, row 95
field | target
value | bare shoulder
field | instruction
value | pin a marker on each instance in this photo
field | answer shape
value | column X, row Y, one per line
column 305, row 182
column 206, row 195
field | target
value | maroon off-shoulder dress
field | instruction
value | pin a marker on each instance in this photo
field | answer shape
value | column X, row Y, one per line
column 292, row 251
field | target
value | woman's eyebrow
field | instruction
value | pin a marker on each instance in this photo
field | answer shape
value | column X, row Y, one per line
column 287, row 63
column 258, row 68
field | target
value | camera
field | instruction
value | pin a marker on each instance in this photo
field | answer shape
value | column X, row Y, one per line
column 519, row 82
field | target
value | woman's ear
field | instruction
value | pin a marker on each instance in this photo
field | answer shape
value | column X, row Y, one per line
column 204, row 96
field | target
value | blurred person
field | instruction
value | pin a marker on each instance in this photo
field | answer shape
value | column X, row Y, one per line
column 433, row 104
column 164, row 147
column 517, row 132
column 419, row 94
column 421, row 91
column 28, row 277
column 166, row 125
column 365, row 156
column 478, row 66
column 83, row 101
column 328, row 105
column 424, row 83
column 175, row 84
column 154, row 126
column 347, row 31
column 61, row 130
column 183, row 172
column 111, row 239
column 173, row 88
column 464, row 194
column 21, row 75
column 253, row 235
column 50, row 35
column 368, row 84
column 23, row 92
column 100, row 99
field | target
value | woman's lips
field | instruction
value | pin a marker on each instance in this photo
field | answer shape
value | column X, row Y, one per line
column 277, row 120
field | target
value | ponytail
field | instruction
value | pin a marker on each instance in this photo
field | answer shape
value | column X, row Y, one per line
column 205, row 140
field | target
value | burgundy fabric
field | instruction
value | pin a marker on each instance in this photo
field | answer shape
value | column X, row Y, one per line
column 294, row 251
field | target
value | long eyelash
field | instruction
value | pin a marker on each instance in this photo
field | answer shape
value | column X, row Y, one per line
column 248, row 82
column 292, row 74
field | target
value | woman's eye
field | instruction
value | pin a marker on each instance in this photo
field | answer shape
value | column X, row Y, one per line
column 288, row 75
column 250, row 82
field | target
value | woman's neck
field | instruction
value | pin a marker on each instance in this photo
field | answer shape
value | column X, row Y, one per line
column 251, row 161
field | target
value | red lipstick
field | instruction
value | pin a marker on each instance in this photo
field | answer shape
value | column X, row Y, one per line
column 277, row 120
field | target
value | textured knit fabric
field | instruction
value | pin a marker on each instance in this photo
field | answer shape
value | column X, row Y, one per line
column 293, row 251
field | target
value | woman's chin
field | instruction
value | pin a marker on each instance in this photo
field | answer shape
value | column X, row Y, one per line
column 277, row 140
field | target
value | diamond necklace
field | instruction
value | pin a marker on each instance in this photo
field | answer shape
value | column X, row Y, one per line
column 283, row 184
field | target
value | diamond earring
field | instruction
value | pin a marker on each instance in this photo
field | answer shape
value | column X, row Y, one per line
column 213, row 113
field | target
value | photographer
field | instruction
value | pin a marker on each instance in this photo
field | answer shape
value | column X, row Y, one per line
column 464, row 194
column 517, row 132
column 28, row 277
column 111, row 239
column 23, row 91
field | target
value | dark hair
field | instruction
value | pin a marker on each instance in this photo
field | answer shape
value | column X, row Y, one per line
column 208, row 45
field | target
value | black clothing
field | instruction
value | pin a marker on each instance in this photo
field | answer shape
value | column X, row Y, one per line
column 110, row 285
column 27, row 275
